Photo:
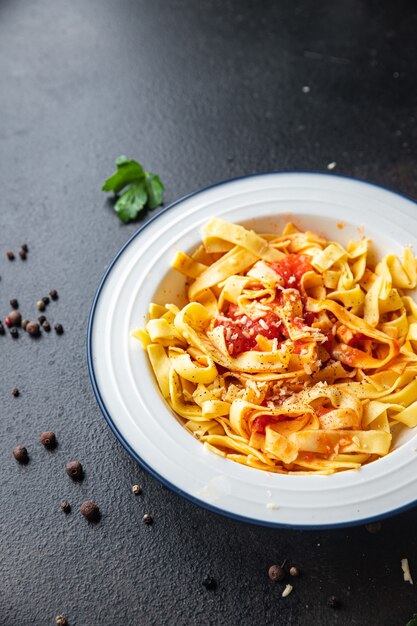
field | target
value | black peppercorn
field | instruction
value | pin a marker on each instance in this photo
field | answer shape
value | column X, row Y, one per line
column 33, row 329
column 41, row 319
column 209, row 583
column 53, row 294
column 22, row 254
column 10, row 255
column 48, row 439
column 65, row 506
column 59, row 329
column 333, row 602
column 147, row 519
column 45, row 300
column 2, row 331
column 24, row 247
column 14, row 333
column 61, row 620
column 15, row 392
column 276, row 572
column 74, row 470
column 46, row 326
column 24, row 324
column 90, row 511
column 20, row 453
column 14, row 303
column 14, row 318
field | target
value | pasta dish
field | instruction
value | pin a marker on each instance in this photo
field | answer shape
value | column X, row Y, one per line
column 293, row 354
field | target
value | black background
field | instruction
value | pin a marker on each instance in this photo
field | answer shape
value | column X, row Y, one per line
column 197, row 91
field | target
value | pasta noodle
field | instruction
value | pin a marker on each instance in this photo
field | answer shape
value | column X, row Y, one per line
column 294, row 354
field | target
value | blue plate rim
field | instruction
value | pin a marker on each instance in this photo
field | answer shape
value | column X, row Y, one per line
column 119, row 436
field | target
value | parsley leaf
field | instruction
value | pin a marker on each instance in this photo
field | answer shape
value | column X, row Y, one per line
column 155, row 190
column 143, row 188
column 128, row 171
column 413, row 621
column 131, row 202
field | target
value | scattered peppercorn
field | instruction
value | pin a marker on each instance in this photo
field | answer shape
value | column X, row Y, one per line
column 14, row 318
column 40, row 305
column 209, row 583
column 2, row 331
column 46, row 326
column 14, row 333
column 22, row 255
column 45, row 300
column 15, row 392
column 147, row 519
column 59, row 329
column 10, row 255
column 24, row 247
column 74, row 470
column 276, row 572
column 136, row 489
column 373, row 528
column 61, row 620
column 48, row 439
column 33, row 329
column 41, row 319
column 90, row 511
column 65, row 506
column 333, row 602
column 20, row 453
column 53, row 294
column 14, row 303
column 294, row 571
column 24, row 324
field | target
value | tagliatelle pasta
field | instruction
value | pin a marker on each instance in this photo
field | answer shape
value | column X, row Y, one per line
column 294, row 354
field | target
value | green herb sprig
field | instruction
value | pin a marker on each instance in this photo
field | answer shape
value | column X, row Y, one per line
column 144, row 189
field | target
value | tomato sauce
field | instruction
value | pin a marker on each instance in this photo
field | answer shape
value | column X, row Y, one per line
column 298, row 346
column 262, row 421
column 322, row 410
column 329, row 343
column 357, row 341
column 241, row 330
column 292, row 268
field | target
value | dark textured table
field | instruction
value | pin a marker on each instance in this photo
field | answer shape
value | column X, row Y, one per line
column 199, row 91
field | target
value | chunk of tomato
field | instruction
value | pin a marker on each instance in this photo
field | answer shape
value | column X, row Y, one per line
column 292, row 268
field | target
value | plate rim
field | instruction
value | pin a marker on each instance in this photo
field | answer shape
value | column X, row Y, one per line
column 106, row 414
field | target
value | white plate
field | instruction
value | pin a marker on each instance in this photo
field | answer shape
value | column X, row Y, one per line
column 131, row 402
